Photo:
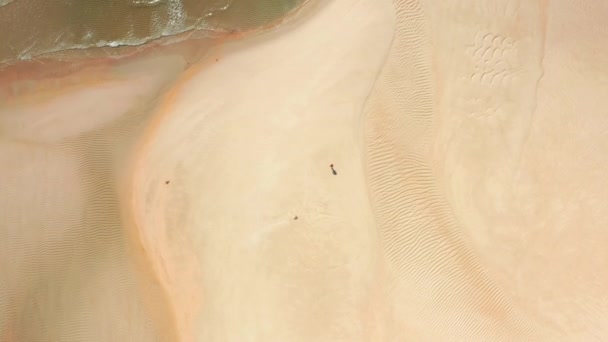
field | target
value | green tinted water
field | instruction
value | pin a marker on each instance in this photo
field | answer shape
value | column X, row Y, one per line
column 32, row 27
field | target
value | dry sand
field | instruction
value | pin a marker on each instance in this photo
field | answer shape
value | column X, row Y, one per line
column 170, row 198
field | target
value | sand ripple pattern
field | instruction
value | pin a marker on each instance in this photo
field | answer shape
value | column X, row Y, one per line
column 422, row 239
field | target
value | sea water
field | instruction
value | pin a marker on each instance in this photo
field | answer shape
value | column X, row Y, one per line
column 30, row 28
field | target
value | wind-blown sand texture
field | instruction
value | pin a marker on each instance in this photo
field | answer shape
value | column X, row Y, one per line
column 184, row 193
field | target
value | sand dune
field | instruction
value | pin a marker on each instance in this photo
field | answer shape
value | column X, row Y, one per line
column 172, row 197
column 250, row 157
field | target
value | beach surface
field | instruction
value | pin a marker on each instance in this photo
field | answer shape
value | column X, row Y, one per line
column 365, row 170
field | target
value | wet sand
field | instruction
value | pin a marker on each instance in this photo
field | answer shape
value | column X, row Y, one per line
column 69, row 274
column 154, row 197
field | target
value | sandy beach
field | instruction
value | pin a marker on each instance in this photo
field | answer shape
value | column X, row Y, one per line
column 365, row 170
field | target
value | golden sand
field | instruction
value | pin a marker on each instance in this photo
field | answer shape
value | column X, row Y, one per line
column 184, row 193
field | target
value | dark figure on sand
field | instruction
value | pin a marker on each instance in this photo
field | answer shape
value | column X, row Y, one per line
column 332, row 169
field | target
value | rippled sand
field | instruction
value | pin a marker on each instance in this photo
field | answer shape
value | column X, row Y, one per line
column 184, row 193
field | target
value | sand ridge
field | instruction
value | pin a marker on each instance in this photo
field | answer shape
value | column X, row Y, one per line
column 220, row 177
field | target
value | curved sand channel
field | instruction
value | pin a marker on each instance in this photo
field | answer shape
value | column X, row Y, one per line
column 468, row 204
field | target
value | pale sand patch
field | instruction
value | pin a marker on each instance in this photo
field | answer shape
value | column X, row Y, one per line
column 469, row 202
column 246, row 145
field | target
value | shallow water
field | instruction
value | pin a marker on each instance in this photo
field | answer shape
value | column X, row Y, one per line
column 30, row 28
